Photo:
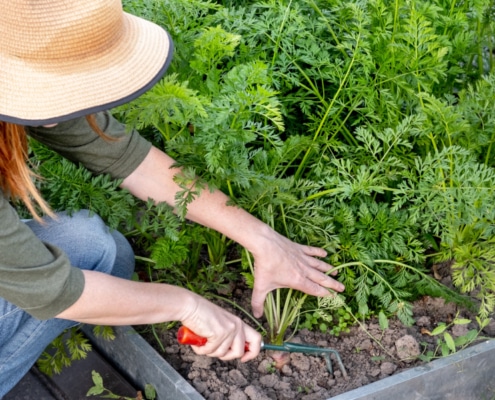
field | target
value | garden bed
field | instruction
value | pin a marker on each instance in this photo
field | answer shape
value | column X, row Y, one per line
column 378, row 362
column 464, row 375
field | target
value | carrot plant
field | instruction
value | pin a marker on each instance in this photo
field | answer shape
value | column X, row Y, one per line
column 365, row 128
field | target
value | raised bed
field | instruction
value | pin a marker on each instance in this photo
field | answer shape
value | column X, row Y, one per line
column 138, row 362
column 466, row 375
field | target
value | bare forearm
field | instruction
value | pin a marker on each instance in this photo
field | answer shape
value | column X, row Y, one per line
column 107, row 300
column 154, row 179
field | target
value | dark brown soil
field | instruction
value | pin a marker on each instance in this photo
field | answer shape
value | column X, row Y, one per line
column 368, row 354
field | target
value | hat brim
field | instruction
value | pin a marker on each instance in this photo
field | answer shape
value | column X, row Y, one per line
column 39, row 94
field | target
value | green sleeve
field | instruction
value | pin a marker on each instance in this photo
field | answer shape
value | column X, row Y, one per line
column 34, row 276
column 76, row 141
column 38, row 277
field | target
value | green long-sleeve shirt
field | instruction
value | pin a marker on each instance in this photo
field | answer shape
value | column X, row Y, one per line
column 36, row 276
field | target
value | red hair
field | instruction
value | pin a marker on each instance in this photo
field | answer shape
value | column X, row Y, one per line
column 16, row 179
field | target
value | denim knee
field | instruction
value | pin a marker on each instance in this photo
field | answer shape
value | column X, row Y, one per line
column 124, row 261
column 83, row 236
column 88, row 242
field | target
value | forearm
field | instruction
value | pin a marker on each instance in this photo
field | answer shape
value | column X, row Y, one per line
column 154, row 179
column 107, row 300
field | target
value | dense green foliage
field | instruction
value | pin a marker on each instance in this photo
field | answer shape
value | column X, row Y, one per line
column 363, row 127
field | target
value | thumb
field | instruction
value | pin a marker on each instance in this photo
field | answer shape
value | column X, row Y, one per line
column 257, row 302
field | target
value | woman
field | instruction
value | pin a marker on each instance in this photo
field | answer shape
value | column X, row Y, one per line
column 62, row 64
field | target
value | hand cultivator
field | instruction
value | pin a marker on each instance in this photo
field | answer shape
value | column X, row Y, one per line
column 186, row 336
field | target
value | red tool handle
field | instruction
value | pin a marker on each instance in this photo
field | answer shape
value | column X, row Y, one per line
column 187, row 336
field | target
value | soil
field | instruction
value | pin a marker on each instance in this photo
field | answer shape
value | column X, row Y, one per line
column 368, row 354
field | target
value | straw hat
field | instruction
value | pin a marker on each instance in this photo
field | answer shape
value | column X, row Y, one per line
column 61, row 59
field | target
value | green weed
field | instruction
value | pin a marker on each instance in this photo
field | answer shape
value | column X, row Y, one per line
column 99, row 390
column 446, row 344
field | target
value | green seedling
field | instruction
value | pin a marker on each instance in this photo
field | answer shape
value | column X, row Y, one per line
column 99, row 390
column 446, row 344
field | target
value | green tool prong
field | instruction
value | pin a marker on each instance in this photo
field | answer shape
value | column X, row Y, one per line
column 308, row 349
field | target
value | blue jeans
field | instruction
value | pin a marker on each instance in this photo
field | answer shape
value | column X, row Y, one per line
column 90, row 245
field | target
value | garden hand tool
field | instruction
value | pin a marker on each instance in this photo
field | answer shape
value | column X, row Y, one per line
column 186, row 336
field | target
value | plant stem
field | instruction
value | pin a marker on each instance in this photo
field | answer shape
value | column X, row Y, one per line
column 304, row 161
column 229, row 186
column 246, row 312
column 279, row 36
column 145, row 259
column 361, row 325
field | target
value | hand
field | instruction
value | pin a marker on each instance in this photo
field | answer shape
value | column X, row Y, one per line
column 281, row 263
column 226, row 334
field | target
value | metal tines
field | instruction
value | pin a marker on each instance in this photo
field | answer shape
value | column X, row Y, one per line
column 308, row 349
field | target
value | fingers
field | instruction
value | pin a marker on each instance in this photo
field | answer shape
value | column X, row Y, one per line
column 303, row 272
column 315, row 275
column 253, row 340
column 315, row 251
column 320, row 265
column 228, row 349
column 240, row 345
column 245, row 346
column 258, row 300
column 227, row 335
column 323, row 282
